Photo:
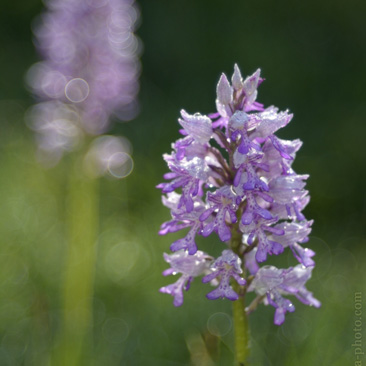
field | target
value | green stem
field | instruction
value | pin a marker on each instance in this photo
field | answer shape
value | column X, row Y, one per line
column 241, row 331
column 241, row 326
column 82, row 224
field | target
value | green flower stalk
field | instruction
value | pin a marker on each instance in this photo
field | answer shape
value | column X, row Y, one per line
column 89, row 73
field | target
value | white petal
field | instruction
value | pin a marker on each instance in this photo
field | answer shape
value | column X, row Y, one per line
column 224, row 90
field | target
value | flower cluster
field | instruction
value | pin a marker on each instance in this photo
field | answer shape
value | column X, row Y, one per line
column 89, row 71
column 234, row 177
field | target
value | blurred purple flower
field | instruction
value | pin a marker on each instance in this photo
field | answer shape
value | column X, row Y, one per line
column 90, row 68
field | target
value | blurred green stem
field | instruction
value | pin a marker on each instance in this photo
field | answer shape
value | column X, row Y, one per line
column 241, row 325
column 82, row 226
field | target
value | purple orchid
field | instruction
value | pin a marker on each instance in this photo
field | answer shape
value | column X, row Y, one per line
column 231, row 174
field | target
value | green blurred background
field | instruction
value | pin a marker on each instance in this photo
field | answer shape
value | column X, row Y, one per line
column 313, row 56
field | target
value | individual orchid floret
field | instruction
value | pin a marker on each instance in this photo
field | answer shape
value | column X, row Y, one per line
column 274, row 283
column 186, row 174
column 189, row 266
column 265, row 246
column 251, row 179
column 222, row 204
column 294, row 283
column 226, row 266
column 253, row 210
column 296, row 233
column 188, row 242
column 246, row 144
column 290, row 211
column 189, row 148
column 181, row 220
column 270, row 122
column 288, row 188
column 198, row 131
column 289, row 191
column 257, row 233
column 249, row 173
column 277, row 164
column 266, row 283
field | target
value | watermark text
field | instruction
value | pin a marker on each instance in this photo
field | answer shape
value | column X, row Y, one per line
column 357, row 344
